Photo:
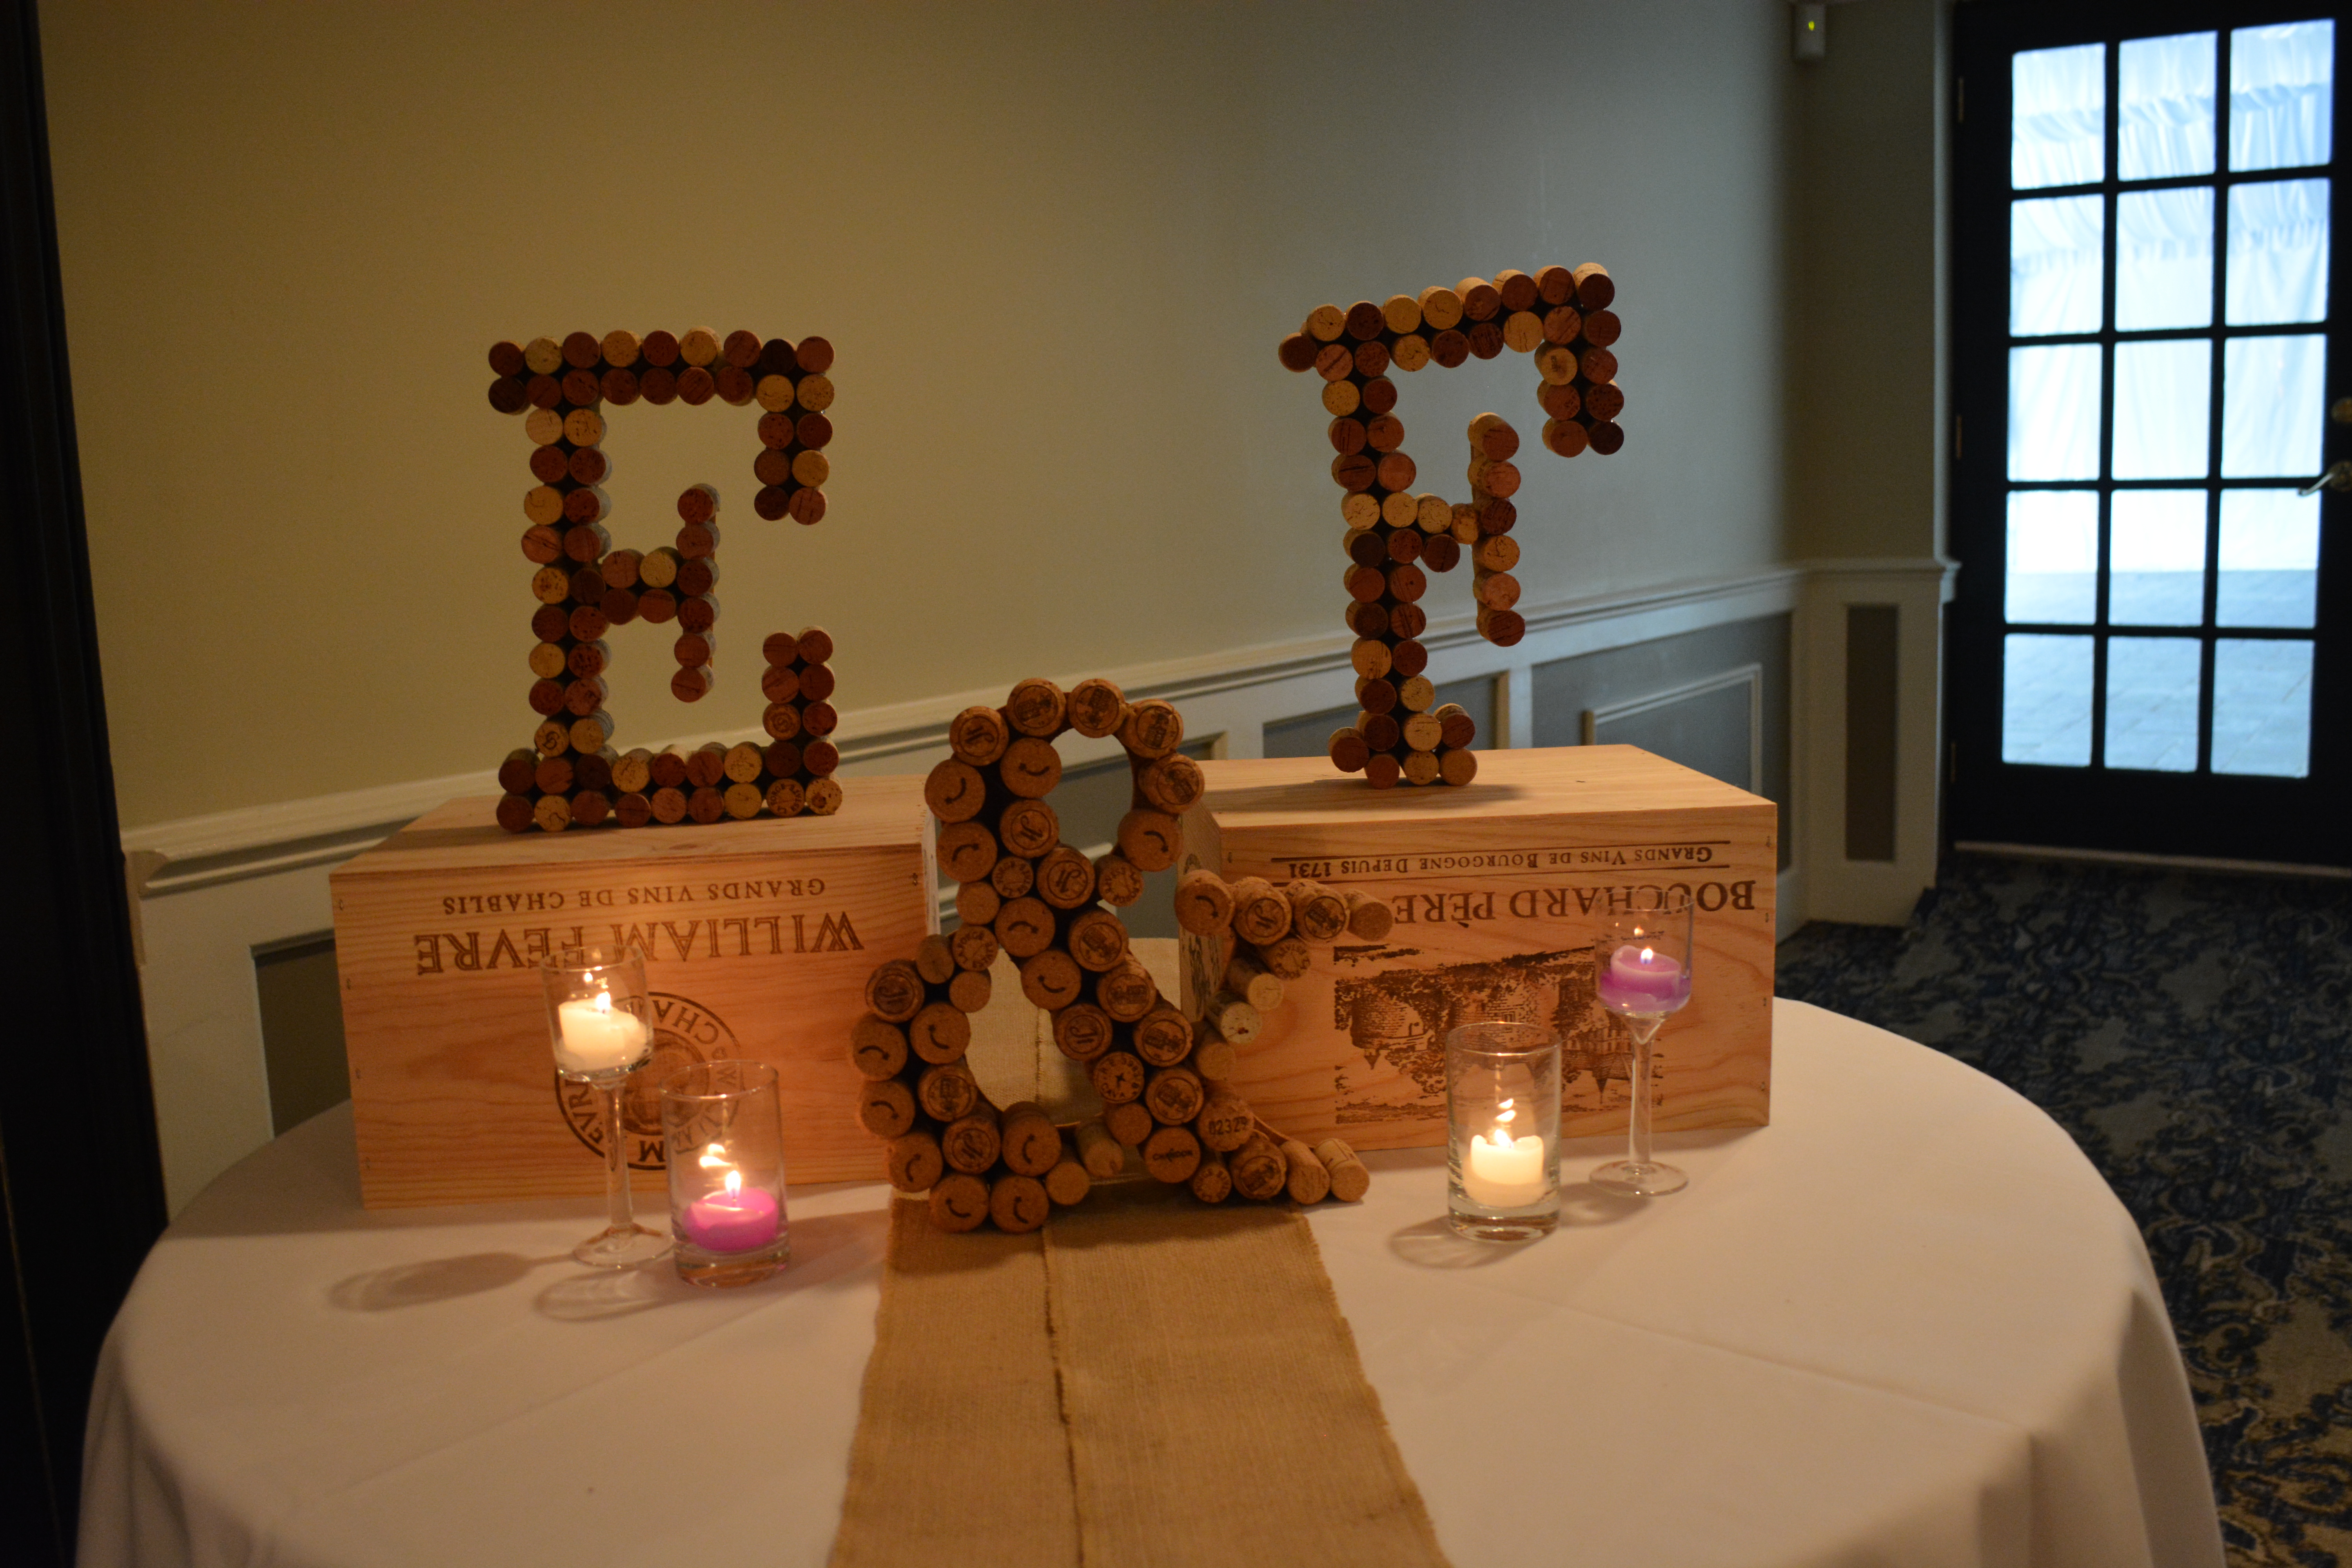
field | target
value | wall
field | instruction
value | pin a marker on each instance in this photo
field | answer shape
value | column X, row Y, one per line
column 1055, row 246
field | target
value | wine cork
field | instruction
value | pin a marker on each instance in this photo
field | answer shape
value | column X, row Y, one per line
column 947, row 1092
column 968, row 992
column 1015, row 878
column 1163, row 1037
column 1204, row 902
column 1095, row 708
column 1150, row 839
column 1018, row 1204
column 1251, row 981
column 974, row 948
column 1097, row 941
column 1104, row 1155
column 1028, row 829
column 885, row 1108
column 1172, row 783
column 1350, row 1179
column 959, row 1202
column 1369, row 918
column 1117, row 880
column 877, row 1047
column 1068, row 1183
column 1213, row 1057
column 1309, row 1181
column 1151, row 729
column 1083, row 1031
column 1212, row 1182
column 1035, row 708
column 970, row 1142
column 1126, row 990
column 966, row 851
column 1130, row 1124
column 1232, row 1017
column 914, row 1161
column 1052, row 979
column 976, row 905
column 1030, row 767
column 954, row 790
column 1033, row 1145
column 1067, row 880
column 1261, row 914
column 1171, row 1154
column 1316, row 913
column 1117, row 1077
column 979, row 736
column 1025, row 926
column 1289, row 957
column 895, row 991
column 1259, row 1170
column 1173, row 1095
column 938, row 1032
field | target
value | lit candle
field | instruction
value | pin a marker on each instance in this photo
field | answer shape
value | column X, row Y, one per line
column 597, row 1037
column 1642, row 980
column 1503, row 1171
column 735, row 1220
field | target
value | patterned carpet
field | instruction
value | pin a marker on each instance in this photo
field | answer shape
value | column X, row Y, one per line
column 2192, row 1032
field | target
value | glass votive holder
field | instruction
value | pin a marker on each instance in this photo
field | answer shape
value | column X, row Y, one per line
column 723, row 1139
column 1502, row 1107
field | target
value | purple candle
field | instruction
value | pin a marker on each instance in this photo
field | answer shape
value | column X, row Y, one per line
column 1642, row 980
column 737, row 1220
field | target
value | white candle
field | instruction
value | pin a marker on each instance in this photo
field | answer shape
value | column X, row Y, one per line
column 596, row 1035
column 1503, row 1171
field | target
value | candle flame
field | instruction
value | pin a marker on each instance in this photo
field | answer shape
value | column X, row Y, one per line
column 1648, row 956
column 714, row 1156
column 604, row 1001
column 734, row 1184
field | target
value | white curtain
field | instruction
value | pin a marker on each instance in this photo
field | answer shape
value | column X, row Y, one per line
column 2278, row 252
column 2054, row 264
column 2058, row 116
column 2274, row 406
column 2053, row 412
column 2164, row 106
column 2164, row 258
column 2282, row 95
column 2163, row 391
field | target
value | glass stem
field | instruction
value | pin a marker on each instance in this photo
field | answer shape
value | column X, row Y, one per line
column 1644, row 1027
column 617, row 1212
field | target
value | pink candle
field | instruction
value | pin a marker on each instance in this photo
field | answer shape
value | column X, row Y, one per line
column 739, row 1220
column 1642, row 980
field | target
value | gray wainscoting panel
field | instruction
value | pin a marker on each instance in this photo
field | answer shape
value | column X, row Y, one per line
column 301, row 1028
column 1871, row 698
column 1709, row 727
column 1309, row 735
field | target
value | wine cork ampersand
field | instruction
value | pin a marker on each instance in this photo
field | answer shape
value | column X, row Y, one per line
column 1165, row 1080
column 1395, row 537
column 585, row 587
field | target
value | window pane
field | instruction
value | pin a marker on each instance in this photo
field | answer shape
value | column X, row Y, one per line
column 2261, row 708
column 2164, row 106
column 2164, row 260
column 2270, row 559
column 2278, row 252
column 2054, row 413
column 2162, row 394
column 2054, row 556
column 2156, row 565
column 2046, row 700
column 2058, row 117
column 2054, row 261
column 2282, row 95
column 2152, row 703
column 2272, row 406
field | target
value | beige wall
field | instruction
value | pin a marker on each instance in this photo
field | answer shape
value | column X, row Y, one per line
column 1869, row 421
column 1055, row 246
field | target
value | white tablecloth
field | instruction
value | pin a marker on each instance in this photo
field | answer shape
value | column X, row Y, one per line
column 1906, row 1324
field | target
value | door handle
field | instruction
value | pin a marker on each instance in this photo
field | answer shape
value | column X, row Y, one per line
column 2339, row 477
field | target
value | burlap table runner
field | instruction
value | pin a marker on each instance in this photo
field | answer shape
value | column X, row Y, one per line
column 1146, row 1381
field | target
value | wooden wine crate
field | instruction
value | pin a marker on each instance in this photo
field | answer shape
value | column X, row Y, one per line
column 1497, row 888
column 758, row 936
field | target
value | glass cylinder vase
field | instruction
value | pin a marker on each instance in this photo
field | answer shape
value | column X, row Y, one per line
column 1502, row 1106
column 723, row 1138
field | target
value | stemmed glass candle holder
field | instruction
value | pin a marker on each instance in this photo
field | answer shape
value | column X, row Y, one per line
column 600, row 1021
column 1502, row 1105
column 1642, row 972
column 723, row 1135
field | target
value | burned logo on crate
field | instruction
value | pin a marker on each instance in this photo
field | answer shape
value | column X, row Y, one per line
column 570, row 776
column 685, row 1032
column 1163, row 1078
column 1395, row 537
column 1398, row 1019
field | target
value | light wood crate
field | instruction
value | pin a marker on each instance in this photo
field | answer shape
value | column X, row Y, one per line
column 758, row 936
column 1497, row 888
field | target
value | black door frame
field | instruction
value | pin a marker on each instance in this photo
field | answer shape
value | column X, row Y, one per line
column 82, row 1184
column 2298, row 821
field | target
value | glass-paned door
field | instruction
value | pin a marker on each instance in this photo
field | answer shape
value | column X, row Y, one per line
column 2147, row 646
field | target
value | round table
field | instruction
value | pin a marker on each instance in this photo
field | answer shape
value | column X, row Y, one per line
column 1906, row 1324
